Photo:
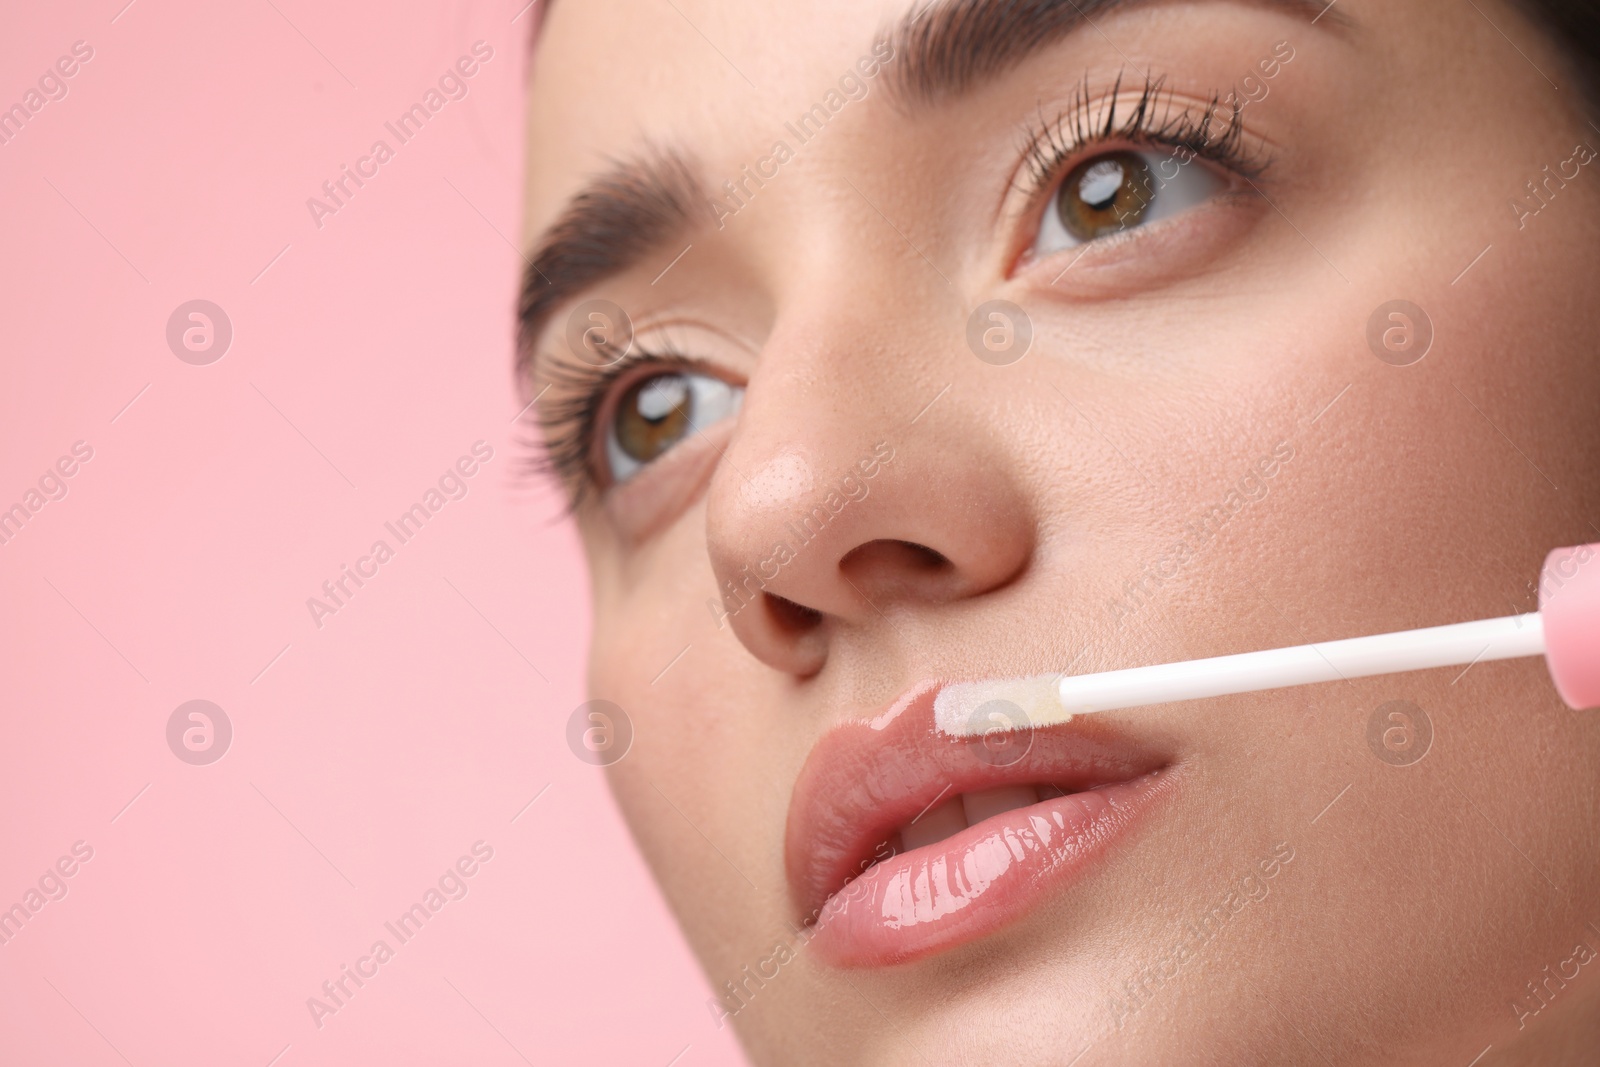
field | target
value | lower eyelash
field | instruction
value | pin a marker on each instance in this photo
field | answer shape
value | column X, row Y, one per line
column 1155, row 119
column 565, row 449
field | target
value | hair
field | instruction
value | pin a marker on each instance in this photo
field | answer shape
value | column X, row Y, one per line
column 1574, row 25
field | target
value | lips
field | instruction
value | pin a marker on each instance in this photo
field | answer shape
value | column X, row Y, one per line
column 903, row 842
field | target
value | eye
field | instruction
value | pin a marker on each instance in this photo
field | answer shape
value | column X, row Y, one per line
column 1122, row 190
column 656, row 412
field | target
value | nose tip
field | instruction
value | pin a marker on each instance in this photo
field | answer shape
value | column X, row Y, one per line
column 803, row 559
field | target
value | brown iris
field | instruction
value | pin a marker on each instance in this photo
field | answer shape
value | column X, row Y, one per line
column 653, row 415
column 1106, row 194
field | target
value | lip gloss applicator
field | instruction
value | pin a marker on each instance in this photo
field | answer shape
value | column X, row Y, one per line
column 1565, row 630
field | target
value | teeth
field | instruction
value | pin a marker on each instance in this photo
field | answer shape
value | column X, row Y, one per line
column 951, row 816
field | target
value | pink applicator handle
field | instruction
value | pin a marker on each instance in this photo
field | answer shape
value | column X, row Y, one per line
column 1569, row 607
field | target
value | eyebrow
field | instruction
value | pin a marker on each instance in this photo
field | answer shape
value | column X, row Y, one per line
column 941, row 49
column 632, row 207
column 949, row 47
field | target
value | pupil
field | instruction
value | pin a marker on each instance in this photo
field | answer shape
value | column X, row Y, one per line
column 653, row 416
column 1101, row 183
column 660, row 397
column 1105, row 195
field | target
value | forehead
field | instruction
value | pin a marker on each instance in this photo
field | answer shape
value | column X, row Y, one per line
column 610, row 74
column 717, row 78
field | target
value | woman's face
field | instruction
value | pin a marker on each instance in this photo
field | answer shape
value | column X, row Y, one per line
column 1018, row 338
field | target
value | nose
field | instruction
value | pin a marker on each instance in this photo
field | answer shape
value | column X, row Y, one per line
column 850, row 497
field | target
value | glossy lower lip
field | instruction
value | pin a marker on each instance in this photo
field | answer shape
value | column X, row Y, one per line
column 864, row 779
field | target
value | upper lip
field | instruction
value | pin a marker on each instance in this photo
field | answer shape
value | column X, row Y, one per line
column 865, row 779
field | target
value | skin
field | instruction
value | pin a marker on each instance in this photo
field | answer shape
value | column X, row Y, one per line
column 1420, row 904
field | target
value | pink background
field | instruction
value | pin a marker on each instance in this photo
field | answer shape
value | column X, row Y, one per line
column 369, row 754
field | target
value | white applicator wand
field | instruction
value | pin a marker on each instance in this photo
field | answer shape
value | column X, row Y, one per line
column 1565, row 630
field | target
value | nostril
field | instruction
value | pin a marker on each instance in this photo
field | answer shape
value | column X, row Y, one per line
column 790, row 618
column 895, row 556
column 921, row 557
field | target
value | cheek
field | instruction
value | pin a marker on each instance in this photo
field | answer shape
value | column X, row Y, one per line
column 657, row 653
column 654, row 764
column 692, row 787
column 652, row 501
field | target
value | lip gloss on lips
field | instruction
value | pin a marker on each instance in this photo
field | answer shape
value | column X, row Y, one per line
column 979, row 829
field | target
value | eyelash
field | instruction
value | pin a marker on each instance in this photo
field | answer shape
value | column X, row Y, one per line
column 1155, row 120
column 570, row 426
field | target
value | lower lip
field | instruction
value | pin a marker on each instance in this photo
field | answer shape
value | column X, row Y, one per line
column 975, row 882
